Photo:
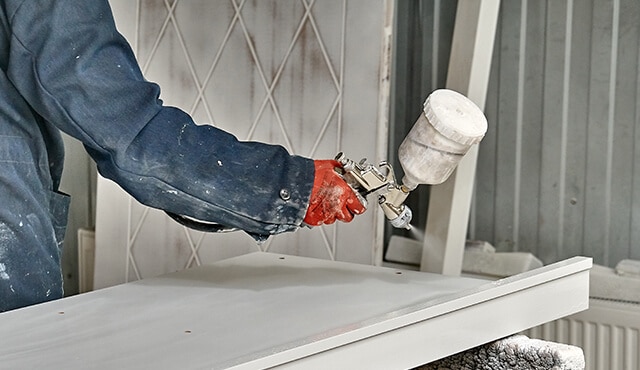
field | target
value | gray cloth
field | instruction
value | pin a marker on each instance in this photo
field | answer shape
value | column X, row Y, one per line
column 517, row 352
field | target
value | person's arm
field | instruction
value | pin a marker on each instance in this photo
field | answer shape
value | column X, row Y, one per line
column 70, row 63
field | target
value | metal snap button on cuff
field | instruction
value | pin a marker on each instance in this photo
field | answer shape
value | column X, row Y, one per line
column 284, row 194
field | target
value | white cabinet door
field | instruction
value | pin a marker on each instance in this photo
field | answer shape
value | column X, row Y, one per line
column 266, row 310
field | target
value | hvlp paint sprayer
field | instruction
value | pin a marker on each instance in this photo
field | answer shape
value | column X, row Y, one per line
column 448, row 126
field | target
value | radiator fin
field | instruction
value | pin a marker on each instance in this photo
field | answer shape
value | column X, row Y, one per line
column 608, row 333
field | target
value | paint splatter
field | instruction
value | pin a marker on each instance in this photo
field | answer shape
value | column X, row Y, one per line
column 7, row 237
column 3, row 272
column 181, row 132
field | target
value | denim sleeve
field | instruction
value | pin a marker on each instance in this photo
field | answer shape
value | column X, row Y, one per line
column 70, row 63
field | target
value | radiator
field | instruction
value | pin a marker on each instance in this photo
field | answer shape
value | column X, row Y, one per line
column 608, row 332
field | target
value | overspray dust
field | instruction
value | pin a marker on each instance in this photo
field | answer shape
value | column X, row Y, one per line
column 416, row 233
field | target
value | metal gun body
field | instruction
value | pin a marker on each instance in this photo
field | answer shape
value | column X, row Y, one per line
column 368, row 179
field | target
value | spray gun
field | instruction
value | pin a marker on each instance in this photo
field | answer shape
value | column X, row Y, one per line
column 449, row 125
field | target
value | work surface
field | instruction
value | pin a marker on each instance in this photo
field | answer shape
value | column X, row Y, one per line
column 263, row 310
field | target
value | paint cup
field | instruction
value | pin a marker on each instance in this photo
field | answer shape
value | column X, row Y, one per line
column 448, row 126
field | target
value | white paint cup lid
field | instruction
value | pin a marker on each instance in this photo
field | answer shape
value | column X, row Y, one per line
column 455, row 116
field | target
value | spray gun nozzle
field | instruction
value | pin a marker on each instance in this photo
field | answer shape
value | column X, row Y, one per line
column 403, row 219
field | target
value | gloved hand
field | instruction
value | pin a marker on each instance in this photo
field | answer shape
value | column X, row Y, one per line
column 331, row 197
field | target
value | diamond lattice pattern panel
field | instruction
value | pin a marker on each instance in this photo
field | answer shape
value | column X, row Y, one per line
column 305, row 74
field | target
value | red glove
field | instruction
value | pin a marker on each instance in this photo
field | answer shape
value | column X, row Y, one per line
column 331, row 197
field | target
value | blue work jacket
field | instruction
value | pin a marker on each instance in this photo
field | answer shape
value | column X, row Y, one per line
column 65, row 67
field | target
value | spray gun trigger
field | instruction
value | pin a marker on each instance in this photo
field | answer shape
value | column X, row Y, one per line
column 361, row 198
column 353, row 184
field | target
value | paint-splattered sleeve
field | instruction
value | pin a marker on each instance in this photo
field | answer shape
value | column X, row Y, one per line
column 79, row 73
